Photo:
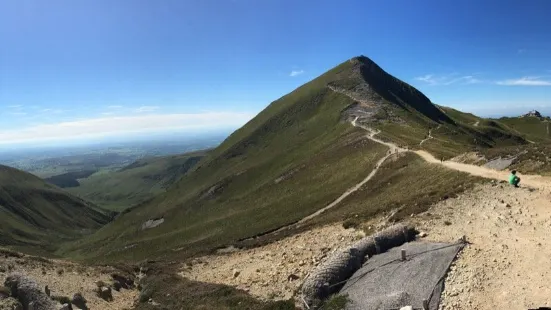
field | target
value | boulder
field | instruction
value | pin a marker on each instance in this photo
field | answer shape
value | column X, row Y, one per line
column 28, row 292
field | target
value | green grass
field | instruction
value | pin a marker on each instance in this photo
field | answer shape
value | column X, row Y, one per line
column 533, row 128
column 136, row 183
column 36, row 216
column 407, row 184
column 233, row 193
column 292, row 159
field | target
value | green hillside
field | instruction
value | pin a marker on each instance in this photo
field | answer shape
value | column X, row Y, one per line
column 36, row 214
column 534, row 128
column 136, row 183
column 293, row 158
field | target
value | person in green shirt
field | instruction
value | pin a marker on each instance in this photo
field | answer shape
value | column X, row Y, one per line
column 513, row 179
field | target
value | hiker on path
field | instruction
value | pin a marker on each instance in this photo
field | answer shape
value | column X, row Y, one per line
column 513, row 179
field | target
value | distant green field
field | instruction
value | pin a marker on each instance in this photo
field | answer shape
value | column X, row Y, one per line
column 136, row 183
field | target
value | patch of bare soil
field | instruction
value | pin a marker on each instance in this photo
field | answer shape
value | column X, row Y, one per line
column 274, row 271
column 506, row 265
column 66, row 278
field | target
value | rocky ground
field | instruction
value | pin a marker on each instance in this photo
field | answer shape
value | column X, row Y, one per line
column 66, row 279
column 506, row 265
column 274, row 271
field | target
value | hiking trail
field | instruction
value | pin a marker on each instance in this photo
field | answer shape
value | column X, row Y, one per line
column 505, row 266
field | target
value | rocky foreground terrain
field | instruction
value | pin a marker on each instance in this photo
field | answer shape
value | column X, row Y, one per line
column 69, row 284
column 505, row 266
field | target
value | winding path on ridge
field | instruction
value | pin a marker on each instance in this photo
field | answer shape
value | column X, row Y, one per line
column 536, row 181
column 530, row 180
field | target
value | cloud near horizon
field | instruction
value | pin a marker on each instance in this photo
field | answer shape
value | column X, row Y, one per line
column 296, row 72
column 525, row 81
column 123, row 125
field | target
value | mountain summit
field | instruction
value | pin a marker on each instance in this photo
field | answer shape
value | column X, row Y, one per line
column 369, row 83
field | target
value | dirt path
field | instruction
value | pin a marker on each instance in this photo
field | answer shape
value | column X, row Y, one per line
column 428, row 137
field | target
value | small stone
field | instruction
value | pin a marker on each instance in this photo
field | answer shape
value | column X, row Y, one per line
column 65, row 307
column 422, row 234
column 79, row 301
column 105, row 293
column 292, row 277
column 236, row 273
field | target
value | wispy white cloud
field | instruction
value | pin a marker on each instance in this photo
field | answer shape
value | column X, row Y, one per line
column 448, row 79
column 107, row 113
column 17, row 113
column 521, row 51
column 15, row 106
column 121, row 125
column 525, row 81
column 53, row 111
column 114, row 106
column 296, row 72
column 147, row 108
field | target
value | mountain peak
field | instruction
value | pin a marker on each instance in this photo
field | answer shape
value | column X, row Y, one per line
column 369, row 83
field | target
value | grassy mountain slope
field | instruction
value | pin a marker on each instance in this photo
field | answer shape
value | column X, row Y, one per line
column 292, row 159
column 35, row 213
column 533, row 128
column 136, row 183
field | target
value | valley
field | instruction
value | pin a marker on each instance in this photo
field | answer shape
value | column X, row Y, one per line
column 244, row 223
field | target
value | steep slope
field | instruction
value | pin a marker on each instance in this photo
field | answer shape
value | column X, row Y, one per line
column 137, row 182
column 35, row 213
column 292, row 159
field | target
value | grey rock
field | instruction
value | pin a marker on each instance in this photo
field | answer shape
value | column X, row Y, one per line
column 29, row 293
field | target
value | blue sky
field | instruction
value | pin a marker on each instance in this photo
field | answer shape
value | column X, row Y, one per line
column 89, row 68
